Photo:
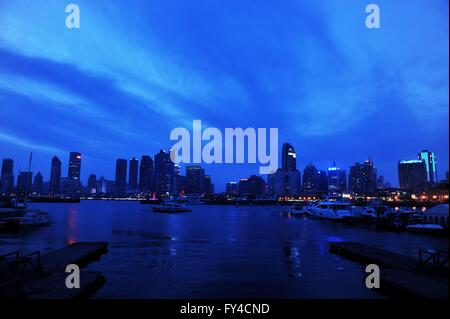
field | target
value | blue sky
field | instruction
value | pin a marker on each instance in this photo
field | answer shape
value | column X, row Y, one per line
column 135, row 70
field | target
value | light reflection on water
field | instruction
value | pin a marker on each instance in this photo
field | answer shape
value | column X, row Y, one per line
column 213, row 252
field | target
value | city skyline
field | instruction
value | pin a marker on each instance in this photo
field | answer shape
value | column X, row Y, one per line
column 144, row 175
column 335, row 89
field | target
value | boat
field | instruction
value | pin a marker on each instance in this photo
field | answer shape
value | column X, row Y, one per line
column 426, row 228
column 298, row 209
column 171, row 207
column 30, row 219
column 332, row 210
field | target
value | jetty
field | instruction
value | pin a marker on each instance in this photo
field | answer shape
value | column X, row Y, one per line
column 423, row 277
column 36, row 276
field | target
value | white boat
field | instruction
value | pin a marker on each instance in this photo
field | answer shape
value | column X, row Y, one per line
column 332, row 210
column 30, row 219
column 171, row 207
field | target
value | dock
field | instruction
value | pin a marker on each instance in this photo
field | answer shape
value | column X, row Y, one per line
column 36, row 276
column 399, row 275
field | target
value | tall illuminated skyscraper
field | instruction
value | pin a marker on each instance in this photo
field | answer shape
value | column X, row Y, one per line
column 430, row 165
column 74, row 165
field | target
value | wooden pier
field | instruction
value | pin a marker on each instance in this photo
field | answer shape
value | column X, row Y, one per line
column 399, row 274
column 36, row 276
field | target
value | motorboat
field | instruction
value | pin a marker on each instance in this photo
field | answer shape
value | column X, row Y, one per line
column 171, row 207
column 30, row 219
column 332, row 210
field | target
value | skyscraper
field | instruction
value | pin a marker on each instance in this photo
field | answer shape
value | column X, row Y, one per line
column 194, row 179
column 55, row 176
column 74, row 165
column 24, row 182
column 412, row 175
column 289, row 158
column 38, row 183
column 208, row 186
column 121, row 176
column 74, row 172
column 309, row 179
column 429, row 159
column 362, row 178
column 146, row 174
column 287, row 179
column 337, row 179
column 133, row 175
column 7, row 176
column 164, row 173
column 92, row 184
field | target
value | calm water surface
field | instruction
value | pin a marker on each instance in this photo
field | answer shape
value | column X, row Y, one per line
column 213, row 252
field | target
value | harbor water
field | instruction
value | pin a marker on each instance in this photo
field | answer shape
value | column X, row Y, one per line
column 214, row 251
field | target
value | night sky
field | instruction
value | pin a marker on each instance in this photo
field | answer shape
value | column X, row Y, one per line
column 135, row 70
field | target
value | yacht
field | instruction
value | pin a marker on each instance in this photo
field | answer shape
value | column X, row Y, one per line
column 332, row 210
column 171, row 207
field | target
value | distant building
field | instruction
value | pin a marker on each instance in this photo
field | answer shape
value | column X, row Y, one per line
column 287, row 179
column 92, row 184
column 412, row 175
column 337, row 179
column 105, row 186
column 121, row 176
column 38, row 183
column 195, row 177
column 310, row 180
column 24, row 182
column 133, row 175
column 164, row 173
column 429, row 159
column 7, row 176
column 254, row 186
column 208, row 186
column 231, row 188
column 70, row 186
column 74, row 171
column 145, row 174
column 362, row 178
column 321, row 183
column 55, row 176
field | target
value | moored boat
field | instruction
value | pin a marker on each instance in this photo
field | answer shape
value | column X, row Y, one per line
column 171, row 207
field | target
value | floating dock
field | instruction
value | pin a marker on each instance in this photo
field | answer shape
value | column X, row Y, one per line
column 43, row 277
column 399, row 274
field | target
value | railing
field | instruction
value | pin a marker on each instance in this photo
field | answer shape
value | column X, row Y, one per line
column 15, row 267
column 438, row 258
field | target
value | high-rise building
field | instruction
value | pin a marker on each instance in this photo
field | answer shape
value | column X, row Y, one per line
column 164, row 173
column 24, row 182
column 74, row 165
column 321, row 183
column 38, row 183
column 121, row 176
column 92, row 184
column 133, row 175
column 195, row 176
column 362, row 178
column 146, row 174
column 55, row 176
column 231, row 188
column 412, row 175
column 287, row 179
column 337, row 179
column 429, row 159
column 208, row 186
column 310, row 179
column 74, row 172
column 288, row 158
column 7, row 176
column 254, row 186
